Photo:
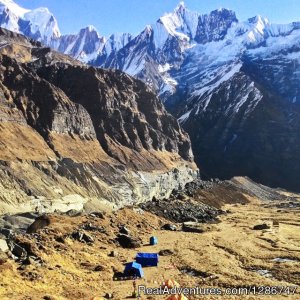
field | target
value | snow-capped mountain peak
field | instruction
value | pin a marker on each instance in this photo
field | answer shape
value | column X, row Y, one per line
column 43, row 25
column 215, row 25
column 180, row 22
column 260, row 23
column 91, row 28
column 180, row 6
column 13, row 7
column 89, row 31
column 39, row 24
column 232, row 84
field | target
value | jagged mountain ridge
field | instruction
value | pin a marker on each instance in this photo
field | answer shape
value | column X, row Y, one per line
column 40, row 24
column 161, row 48
column 73, row 134
column 230, row 79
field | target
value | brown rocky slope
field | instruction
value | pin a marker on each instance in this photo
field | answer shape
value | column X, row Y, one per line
column 72, row 134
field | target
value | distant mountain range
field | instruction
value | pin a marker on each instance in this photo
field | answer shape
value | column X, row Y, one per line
column 233, row 85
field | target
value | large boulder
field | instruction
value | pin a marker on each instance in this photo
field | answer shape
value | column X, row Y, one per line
column 38, row 224
column 17, row 250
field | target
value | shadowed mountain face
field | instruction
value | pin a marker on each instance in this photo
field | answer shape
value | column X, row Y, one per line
column 82, row 131
column 258, row 138
column 233, row 85
column 123, row 110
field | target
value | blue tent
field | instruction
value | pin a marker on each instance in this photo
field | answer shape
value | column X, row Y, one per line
column 153, row 240
column 133, row 269
column 147, row 259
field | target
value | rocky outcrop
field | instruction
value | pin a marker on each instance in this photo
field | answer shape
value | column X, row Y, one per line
column 72, row 134
column 214, row 27
column 123, row 110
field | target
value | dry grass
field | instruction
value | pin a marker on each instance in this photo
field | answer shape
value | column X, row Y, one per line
column 229, row 251
column 31, row 145
column 78, row 149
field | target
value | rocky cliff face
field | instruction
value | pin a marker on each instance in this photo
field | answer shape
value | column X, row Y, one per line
column 72, row 134
column 123, row 110
column 233, row 85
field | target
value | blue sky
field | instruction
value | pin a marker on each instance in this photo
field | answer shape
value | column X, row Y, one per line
column 132, row 16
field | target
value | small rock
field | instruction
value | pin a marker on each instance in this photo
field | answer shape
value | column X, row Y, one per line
column 29, row 261
column 191, row 219
column 192, row 227
column 32, row 276
column 3, row 257
column 189, row 193
column 117, row 274
column 261, row 227
column 165, row 252
column 82, row 237
column 3, row 246
column 73, row 213
column 48, row 298
column 90, row 227
column 97, row 214
column 99, row 268
column 128, row 242
column 22, row 268
column 60, row 239
column 174, row 192
column 87, row 265
column 17, row 250
column 113, row 253
column 170, row 227
column 29, row 246
column 180, row 197
column 87, row 238
column 124, row 230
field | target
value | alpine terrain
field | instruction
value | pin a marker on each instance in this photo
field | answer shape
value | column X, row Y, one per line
column 73, row 135
column 98, row 179
column 233, row 85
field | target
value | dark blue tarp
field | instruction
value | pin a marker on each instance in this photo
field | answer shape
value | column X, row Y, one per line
column 147, row 259
column 133, row 269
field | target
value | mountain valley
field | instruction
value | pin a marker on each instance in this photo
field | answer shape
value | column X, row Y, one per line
column 235, row 81
column 185, row 135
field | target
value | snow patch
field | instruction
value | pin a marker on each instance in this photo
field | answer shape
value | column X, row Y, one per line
column 184, row 117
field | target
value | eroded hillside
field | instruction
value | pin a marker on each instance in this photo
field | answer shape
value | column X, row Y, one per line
column 72, row 134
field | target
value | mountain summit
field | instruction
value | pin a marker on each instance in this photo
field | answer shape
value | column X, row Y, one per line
column 38, row 24
column 232, row 84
